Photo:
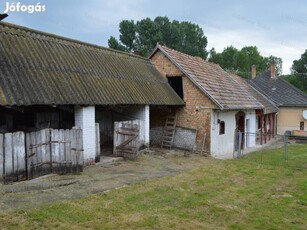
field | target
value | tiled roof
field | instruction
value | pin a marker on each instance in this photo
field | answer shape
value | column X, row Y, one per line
column 279, row 91
column 222, row 89
column 269, row 106
column 40, row 68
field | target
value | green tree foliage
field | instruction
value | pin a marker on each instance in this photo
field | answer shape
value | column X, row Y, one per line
column 114, row 44
column 241, row 61
column 143, row 36
column 298, row 76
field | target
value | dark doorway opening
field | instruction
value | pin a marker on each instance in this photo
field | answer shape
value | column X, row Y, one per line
column 240, row 126
column 176, row 84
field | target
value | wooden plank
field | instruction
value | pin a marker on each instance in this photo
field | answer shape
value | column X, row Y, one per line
column 44, row 151
column 127, row 141
column 61, row 149
column 28, row 153
column 1, row 155
column 73, row 137
column 116, row 137
column 39, row 152
column 19, row 153
column 8, row 155
column 67, row 149
column 79, row 154
column 55, row 148
column 127, row 133
column 97, row 143
column 48, row 156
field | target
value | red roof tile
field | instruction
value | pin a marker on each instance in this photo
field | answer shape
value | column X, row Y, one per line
column 216, row 83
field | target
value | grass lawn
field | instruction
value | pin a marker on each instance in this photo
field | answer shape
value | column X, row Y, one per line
column 229, row 194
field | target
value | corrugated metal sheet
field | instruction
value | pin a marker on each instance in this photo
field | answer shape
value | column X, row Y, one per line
column 216, row 83
column 40, row 68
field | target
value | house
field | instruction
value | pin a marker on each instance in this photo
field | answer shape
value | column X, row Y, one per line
column 217, row 106
column 266, row 117
column 48, row 81
column 290, row 101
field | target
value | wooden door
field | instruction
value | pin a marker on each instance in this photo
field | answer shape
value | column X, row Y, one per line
column 127, row 138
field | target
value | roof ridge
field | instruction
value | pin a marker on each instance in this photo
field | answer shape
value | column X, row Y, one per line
column 188, row 55
column 71, row 40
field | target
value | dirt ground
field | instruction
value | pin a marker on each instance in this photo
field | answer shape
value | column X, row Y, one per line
column 109, row 174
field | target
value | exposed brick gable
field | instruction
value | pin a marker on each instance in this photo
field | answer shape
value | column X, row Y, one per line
column 196, row 114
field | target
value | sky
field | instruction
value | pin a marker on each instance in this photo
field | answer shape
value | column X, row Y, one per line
column 277, row 28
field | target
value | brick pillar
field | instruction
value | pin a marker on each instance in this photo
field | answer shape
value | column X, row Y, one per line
column 85, row 119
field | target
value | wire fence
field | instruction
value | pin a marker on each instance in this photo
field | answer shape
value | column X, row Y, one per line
column 277, row 150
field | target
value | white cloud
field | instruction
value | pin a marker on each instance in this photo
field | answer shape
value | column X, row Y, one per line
column 220, row 38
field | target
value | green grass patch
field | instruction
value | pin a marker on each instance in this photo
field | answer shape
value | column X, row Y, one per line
column 229, row 194
column 295, row 156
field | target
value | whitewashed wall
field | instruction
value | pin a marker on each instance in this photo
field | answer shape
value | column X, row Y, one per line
column 85, row 119
column 250, row 138
column 140, row 113
column 222, row 145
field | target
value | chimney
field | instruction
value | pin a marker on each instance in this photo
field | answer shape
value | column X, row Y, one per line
column 254, row 72
column 273, row 70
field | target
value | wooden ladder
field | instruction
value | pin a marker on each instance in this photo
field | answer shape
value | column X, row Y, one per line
column 169, row 131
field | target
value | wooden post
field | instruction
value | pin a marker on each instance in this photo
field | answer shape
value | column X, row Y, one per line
column 261, row 130
column 240, row 144
column 116, row 137
column 265, row 129
column 2, row 162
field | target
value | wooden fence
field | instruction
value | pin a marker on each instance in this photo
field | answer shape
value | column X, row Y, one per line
column 30, row 155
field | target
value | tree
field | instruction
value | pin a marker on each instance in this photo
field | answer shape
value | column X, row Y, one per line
column 241, row 61
column 144, row 35
column 114, row 44
column 298, row 75
column 127, row 31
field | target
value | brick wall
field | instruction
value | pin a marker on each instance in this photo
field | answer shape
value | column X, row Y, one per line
column 196, row 114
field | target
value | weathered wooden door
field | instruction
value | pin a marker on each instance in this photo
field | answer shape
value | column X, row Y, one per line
column 127, row 141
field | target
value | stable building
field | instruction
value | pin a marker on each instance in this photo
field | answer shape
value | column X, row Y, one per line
column 48, row 81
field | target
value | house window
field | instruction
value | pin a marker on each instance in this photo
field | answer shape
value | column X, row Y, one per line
column 302, row 125
column 222, row 128
column 176, row 84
